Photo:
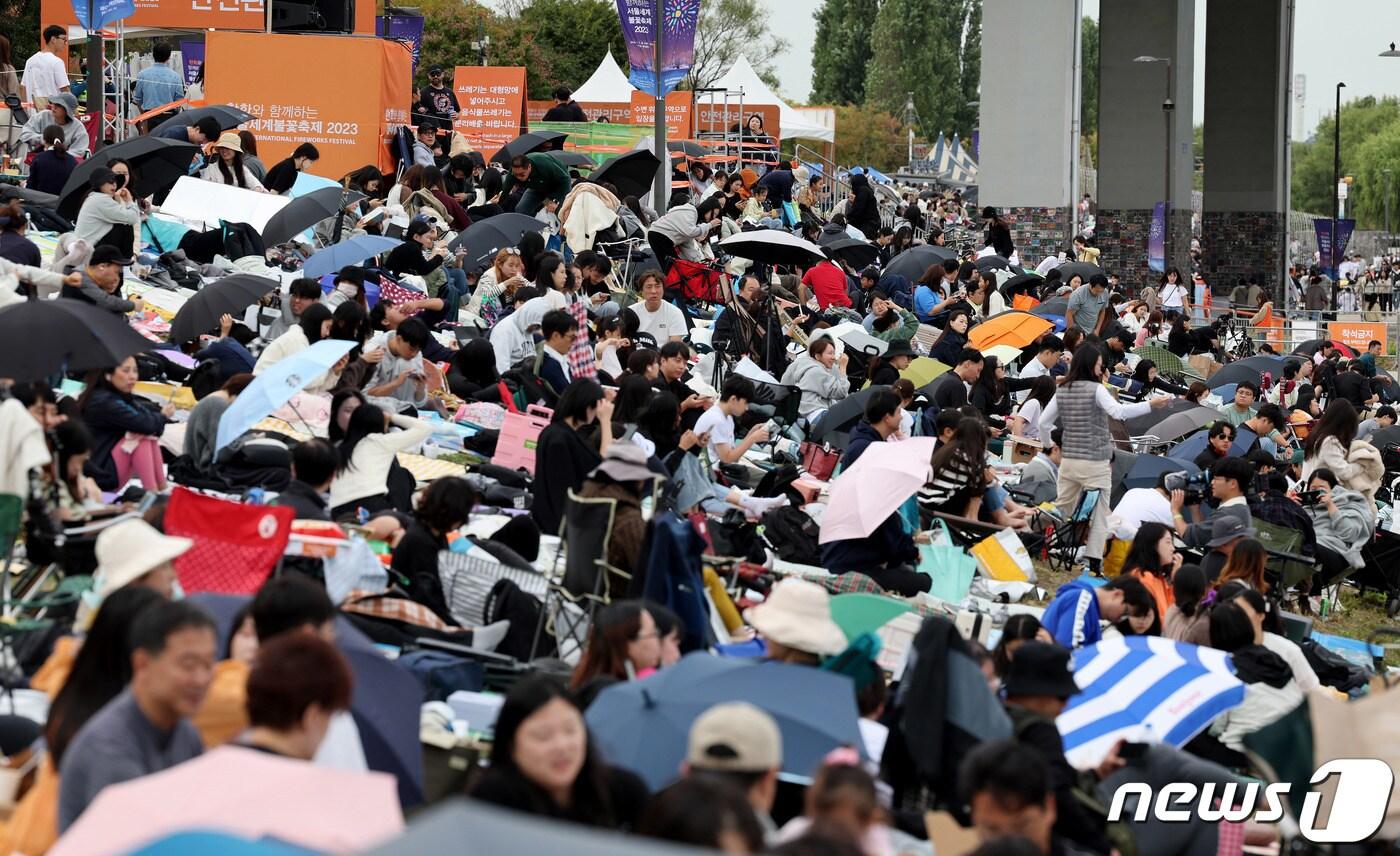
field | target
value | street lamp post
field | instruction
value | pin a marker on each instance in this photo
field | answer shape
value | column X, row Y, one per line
column 1336, row 179
column 1386, row 173
column 1167, row 107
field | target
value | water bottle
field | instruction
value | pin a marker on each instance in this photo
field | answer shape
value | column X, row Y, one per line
column 1325, row 608
column 257, row 496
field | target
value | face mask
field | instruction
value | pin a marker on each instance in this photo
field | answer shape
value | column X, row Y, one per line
column 347, row 290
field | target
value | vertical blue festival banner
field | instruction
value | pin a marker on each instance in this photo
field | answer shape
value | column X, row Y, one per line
column 107, row 11
column 1328, row 257
column 192, row 58
column 679, row 20
column 1157, row 239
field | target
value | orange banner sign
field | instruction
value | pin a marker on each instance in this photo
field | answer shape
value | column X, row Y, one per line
column 1357, row 334
column 196, row 15
column 718, row 117
column 328, row 107
column 678, row 105
column 492, row 102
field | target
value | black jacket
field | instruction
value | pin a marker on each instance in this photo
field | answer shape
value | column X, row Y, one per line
column 416, row 561
column 948, row 346
column 305, row 501
column 885, row 555
column 569, row 112
column 779, row 184
column 999, row 239
column 948, row 391
column 562, row 461
column 109, row 416
column 863, row 212
column 860, row 438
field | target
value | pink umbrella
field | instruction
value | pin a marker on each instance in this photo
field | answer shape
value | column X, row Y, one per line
column 884, row 477
column 245, row 793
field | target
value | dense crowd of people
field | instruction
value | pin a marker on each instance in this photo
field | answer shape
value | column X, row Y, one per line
column 744, row 407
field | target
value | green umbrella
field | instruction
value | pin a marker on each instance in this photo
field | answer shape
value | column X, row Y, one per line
column 861, row 612
column 1166, row 361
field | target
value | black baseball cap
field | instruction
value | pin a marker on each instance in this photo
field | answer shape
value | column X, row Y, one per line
column 435, row 70
column 1040, row 669
column 106, row 254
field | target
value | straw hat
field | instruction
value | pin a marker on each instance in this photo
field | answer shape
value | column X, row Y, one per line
column 798, row 615
column 230, row 140
column 131, row 549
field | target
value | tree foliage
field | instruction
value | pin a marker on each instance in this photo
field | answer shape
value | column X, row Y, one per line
column 925, row 47
column 1089, row 80
column 557, row 41
column 1370, row 145
column 869, row 137
column 727, row 30
column 22, row 28
column 842, row 51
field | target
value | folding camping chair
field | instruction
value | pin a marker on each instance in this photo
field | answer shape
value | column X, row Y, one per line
column 1286, row 566
column 1064, row 540
column 573, row 597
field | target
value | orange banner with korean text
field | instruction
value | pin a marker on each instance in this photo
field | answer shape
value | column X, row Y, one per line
column 330, row 105
column 717, row 116
column 196, row 15
column 492, row 105
column 1357, row 334
column 678, row 108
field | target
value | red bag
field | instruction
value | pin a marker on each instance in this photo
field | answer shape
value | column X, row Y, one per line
column 819, row 461
column 236, row 546
column 694, row 281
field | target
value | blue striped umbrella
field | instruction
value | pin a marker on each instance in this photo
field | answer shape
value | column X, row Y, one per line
column 1144, row 689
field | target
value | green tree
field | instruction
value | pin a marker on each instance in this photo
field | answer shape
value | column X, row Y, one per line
column 843, row 43
column 727, row 30
column 1089, row 81
column 575, row 34
column 450, row 26
column 1377, row 156
column 919, row 48
column 1362, row 120
column 865, row 135
column 22, row 27
column 971, row 63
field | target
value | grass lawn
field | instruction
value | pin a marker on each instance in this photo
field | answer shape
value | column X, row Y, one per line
column 1359, row 618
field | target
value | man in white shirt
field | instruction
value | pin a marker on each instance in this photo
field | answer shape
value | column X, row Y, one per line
column 1142, row 505
column 1052, row 349
column 45, row 74
column 658, row 319
column 718, row 422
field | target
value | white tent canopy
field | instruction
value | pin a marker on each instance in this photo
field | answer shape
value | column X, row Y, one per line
column 608, row 85
column 742, row 76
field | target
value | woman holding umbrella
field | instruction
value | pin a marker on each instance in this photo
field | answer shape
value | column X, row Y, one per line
column 1146, row 373
column 109, row 214
column 953, row 338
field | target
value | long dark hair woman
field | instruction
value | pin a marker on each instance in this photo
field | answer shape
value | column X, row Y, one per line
column 101, row 670
column 368, row 453
column 564, row 456
column 622, row 642
column 114, row 415
column 1187, row 619
column 1329, row 442
column 228, row 166
column 443, row 508
column 543, row 763
column 959, row 472
column 1147, row 374
column 953, row 338
column 998, row 235
column 1152, row 558
column 989, row 393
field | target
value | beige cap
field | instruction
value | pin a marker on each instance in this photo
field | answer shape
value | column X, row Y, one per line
column 797, row 614
column 736, row 738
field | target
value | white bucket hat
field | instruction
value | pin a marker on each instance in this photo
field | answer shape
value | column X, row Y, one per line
column 797, row 614
column 131, row 549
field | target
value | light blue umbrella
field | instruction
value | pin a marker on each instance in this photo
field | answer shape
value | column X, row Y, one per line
column 1144, row 689
column 350, row 251
column 276, row 386
column 644, row 725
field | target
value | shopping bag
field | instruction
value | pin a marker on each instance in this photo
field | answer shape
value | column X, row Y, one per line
column 791, row 216
column 1003, row 557
column 948, row 565
column 520, row 432
column 818, row 460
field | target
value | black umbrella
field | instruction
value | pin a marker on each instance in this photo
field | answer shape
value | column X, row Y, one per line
column 229, row 296
column 1148, row 468
column 484, row 238
column 156, row 164
column 1082, row 269
column 572, row 158
column 36, row 198
column 1312, row 346
column 632, row 173
column 535, row 141
column 39, row 338
column 772, row 247
column 1384, row 438
column 1141, row 425
column 1024, row 282
column 1058, row 306
column 689, row 148
column 990, row 263
column 227, row 116
column 857, row 254
column 843, row 414
column 1250, row 370
column 912, row 263
column 306, row 211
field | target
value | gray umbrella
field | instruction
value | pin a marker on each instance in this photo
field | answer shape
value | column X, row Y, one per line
column 469, row 828
column 1180, row 424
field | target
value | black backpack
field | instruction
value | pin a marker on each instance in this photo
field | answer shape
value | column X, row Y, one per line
column 792, row 534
